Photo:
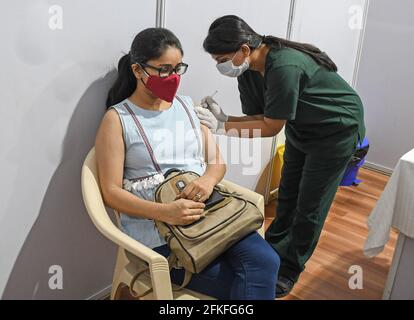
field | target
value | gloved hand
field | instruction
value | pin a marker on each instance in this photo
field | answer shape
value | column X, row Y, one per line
column 209, row 120
column 209, row 103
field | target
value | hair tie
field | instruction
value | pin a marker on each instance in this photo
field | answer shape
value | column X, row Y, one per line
column 130, row 56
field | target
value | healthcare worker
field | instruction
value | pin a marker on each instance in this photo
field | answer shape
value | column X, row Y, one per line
column 293, row 85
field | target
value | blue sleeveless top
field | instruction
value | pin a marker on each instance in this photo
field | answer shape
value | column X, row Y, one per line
column 173, row 140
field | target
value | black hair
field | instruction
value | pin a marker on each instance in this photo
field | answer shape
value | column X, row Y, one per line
column 149, row 44
column 228, row 33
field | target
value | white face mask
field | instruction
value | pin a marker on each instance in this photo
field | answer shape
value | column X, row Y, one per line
column 227, row 68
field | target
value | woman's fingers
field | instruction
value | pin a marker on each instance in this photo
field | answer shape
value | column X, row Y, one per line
column 187, row 190
column 193, row 205
column 193, row 194
column 203, row 198
column 194, row 212
column 190, row 219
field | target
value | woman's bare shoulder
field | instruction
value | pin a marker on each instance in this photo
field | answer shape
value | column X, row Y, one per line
column 110, row 127
column 111, row 119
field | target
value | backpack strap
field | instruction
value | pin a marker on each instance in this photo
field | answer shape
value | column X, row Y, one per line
column 144, row 137
column 172, row 261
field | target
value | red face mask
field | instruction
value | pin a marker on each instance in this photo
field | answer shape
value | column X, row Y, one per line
column 163, row 88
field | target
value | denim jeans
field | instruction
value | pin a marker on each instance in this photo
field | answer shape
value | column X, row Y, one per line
column 248, row 270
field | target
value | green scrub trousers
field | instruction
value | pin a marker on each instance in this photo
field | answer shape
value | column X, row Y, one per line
column 306, row 191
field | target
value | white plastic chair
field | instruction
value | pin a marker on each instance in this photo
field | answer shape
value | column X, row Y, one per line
column 158, row 276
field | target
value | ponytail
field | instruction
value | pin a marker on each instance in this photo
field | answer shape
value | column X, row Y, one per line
column 316, row 54
column 124, row 85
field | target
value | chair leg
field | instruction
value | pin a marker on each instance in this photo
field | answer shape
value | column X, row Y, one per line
column 117, row 281
column 117, row 291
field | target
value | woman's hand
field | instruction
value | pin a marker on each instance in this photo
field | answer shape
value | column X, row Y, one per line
column 199, row 189
column 182, row 212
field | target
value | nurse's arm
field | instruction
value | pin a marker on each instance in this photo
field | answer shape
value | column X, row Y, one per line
column 267, row 127
column 245, row 118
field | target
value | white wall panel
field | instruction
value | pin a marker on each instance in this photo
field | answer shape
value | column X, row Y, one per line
column 54, row 84
column 385, row 81
column 333, row 26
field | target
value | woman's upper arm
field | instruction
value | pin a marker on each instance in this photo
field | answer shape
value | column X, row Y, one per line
column 110, row 153
column 212, row 151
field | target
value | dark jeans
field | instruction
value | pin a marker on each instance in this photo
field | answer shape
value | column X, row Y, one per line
column 247, row 270
column 307, row 189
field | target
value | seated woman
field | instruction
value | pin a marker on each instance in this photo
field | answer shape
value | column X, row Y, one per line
column 129, row 171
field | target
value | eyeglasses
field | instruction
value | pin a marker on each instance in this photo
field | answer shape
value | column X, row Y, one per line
column 167, row 70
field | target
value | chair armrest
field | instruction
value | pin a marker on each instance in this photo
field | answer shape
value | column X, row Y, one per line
column 158, row 264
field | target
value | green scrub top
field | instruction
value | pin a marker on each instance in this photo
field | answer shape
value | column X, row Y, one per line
column 324, row 114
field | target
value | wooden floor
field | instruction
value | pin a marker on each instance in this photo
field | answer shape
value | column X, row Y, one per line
column 341, row 246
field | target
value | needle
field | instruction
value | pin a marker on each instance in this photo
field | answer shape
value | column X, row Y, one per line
column 214, row 93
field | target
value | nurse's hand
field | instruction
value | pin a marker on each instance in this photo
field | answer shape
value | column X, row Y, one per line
column 209, row 103
column 209, row 120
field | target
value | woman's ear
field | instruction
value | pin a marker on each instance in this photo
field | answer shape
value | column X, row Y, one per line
column 136, row 70
column 245, row 50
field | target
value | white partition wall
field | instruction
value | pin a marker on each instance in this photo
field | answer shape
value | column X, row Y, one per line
column 55, row 59
column 385, row 81
column 335, row 27
column 190, row 21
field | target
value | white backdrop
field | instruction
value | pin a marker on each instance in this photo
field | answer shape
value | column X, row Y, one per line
column 385, row 81
column 333, row 26
column 53, row 88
